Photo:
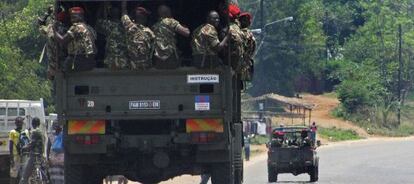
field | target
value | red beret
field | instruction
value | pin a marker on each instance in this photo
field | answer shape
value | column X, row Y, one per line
column 142, row 11
column 76, row 10
column 234, row 11
column 61, row 16
column 247, row 14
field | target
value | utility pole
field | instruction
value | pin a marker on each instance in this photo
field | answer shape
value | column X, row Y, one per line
column 399, row 72
column 262, row 26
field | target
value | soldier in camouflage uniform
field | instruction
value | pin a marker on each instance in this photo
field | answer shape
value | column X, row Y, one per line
column 140, row 39
column 166, row 53
column 205, row 43
column 55, row 52
column 36, row 147
column 80, row 42
column 236, row 38
column 249, row 46
column 115, row 48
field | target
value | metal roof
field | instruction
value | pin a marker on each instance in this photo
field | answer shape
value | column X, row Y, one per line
column 298, row 102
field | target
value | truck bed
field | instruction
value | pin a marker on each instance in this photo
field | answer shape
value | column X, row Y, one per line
column 132, row 94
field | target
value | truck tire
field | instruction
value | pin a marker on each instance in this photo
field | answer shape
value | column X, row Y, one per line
column 238, row 176
column 314, row 174
column 222, row 174
column 81, row 174
column 272, row 174
column 73, row 174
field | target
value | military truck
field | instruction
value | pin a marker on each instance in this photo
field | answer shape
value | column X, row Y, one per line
column 152, row 125
column 9, row 111
column 289, row 151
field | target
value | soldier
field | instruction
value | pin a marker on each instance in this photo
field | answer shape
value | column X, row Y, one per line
column 80, row 41
column 236, row 38
column 140, row 39
column 36, row 148
column 206, row 43
column 115, row 48
column 54, row 51
column 249, row 46
column 165, row 30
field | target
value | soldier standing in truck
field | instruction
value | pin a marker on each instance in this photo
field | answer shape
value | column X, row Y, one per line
column 54, row 51
column 80, row 41
column 165, row 30
column 140, row 39
column 115, row 49
column 236, row 37
column 206, row 44
column 249, row 46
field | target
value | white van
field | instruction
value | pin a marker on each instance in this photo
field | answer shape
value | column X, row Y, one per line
column 9, row 111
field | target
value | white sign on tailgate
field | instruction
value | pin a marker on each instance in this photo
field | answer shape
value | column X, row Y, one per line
column 145, row 105
column 203, row 79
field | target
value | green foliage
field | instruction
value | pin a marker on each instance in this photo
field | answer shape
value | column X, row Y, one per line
column 336, row 134
column 352, row 95
column 291, row 49
column 21, row 76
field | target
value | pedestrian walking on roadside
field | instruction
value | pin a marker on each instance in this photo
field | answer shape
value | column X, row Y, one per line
column 314, row 129
column 15, row 150
column 35, row 148
column 56, row 155
column 247, row 148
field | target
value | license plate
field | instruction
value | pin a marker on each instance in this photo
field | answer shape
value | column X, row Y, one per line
column 145, row 105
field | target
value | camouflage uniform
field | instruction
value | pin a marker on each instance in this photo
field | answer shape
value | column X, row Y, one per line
column 236, row 46
column 205, row 40
column 165, row 40
column 55, row 52
column 82, row 40
column 81, row 48
column 115, row 48
column 249, row 49
column 36, row 150
column 140, row 43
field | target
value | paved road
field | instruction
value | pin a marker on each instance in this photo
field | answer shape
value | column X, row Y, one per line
column 374, row 161
column 366, row 162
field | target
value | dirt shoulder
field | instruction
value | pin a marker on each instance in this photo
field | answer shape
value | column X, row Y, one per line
column 322, row 114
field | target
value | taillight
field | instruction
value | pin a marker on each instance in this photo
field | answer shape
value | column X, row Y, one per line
column 87, row 139
column 204, row 137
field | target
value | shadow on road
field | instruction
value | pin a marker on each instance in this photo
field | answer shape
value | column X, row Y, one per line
column 297, row 182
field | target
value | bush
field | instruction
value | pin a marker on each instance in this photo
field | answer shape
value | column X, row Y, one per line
column 259, row 140
column 336, row 134
column 352, row 95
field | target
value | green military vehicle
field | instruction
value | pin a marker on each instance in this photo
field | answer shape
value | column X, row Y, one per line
column 291, row 150
column 152, row 125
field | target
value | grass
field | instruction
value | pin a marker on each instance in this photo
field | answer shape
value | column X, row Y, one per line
column 330, row 95
column 374, row 126
column 336, row 134
column 259, row 140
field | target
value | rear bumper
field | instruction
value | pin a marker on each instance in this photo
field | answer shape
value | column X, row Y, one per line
column 141, row 143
